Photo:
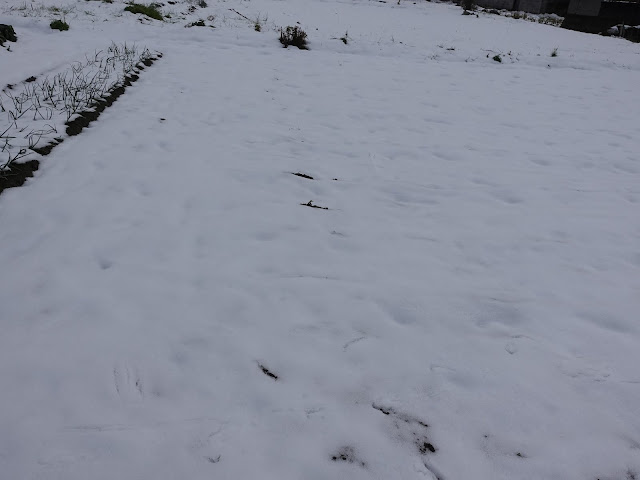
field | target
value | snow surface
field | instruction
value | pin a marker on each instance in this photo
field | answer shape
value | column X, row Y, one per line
column 478, row 269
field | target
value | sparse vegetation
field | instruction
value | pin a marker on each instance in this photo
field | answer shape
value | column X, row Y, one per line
column 259, row 23
column 150, row 10
column 36, row 112
column 199, row 23
column 545, row 19
column 550, row 19
column 59, row 25
column 61, row 10
column 7, row 33
column 554, row 52
column 345, row 38
column 295, row 37
column 468, row 5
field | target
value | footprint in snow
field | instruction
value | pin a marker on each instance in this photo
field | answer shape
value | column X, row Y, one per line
column 128, row 383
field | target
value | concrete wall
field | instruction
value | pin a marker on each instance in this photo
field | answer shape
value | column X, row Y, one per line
column 529, row 6
column 590, row 8
column 584, row 17
column 558, row 7
column 497, row 4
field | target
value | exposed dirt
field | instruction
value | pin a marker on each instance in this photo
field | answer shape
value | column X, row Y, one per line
column 16, row 175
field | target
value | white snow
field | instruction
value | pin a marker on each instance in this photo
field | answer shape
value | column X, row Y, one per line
column 478, row 269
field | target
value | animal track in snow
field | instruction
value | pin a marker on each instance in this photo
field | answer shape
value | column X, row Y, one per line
column 347, row 454
column 351, row 342
column 128, row 383
column 410, row 429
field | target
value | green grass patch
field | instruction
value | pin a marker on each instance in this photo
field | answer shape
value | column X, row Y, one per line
column 148, row 10
column 59, row 25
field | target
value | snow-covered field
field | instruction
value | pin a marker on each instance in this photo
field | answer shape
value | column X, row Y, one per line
column 467, row 307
